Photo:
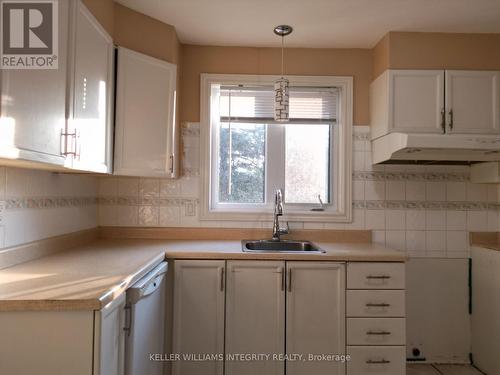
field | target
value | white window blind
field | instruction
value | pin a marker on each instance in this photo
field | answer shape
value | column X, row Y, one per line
column 256, row 104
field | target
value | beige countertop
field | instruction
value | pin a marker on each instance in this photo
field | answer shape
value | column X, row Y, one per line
column 89, row 277
column 232, row 250
column 490, row 246
column 488, row 240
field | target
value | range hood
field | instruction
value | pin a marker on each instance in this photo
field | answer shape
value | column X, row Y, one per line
column 435, row 148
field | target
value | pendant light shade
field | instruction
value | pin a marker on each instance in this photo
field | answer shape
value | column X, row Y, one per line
column 281, row 100
column 282, row 85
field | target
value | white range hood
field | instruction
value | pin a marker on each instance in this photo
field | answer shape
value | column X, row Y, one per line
column 400, row 147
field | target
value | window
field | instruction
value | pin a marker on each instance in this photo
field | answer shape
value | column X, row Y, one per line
column 249, row 156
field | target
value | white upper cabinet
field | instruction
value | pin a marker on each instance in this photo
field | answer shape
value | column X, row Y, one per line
column 472, row 102
column 435, row 101
column 63, row 117
column 145, row 143
column 407, row 101
column 33, row 106
column 89, row 139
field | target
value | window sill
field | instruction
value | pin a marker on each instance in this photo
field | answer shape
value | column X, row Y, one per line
column 297, row 216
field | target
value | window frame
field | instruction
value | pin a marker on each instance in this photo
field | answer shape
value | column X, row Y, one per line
column 341, row 161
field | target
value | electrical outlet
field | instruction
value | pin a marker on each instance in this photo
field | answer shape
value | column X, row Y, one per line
column 415, row 352
column 2, row 209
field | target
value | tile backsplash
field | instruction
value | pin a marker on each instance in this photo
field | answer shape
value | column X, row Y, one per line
column 425, row 211
column 41, row 204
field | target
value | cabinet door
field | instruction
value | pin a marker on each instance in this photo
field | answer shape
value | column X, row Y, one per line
column 33, row 106
column 255, row 316
column 109, row 339
column 91, row 99
column 58, row 342
column 315, row 316
column 416, row 101
column 145, row 116
column 472, row 101
column 198, row 315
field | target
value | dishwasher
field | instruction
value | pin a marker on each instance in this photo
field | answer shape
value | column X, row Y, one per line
column 145, row 323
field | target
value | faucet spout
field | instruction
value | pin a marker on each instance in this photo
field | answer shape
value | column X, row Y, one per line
column 278, row 211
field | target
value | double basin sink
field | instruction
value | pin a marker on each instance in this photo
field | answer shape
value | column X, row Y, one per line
column 269, row 246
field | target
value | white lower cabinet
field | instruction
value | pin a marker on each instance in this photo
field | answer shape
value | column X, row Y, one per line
column 198, row 315
column 109, row 339
column 274, row 310
column 255, row 317
column 376, row 324
column 63, row 342
column 315, row 316
column 376, row 331
column 368, row 360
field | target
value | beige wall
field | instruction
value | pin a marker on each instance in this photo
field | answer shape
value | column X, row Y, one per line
column 144, row 34
column 298, row 61
column 396, row 50
column 103, row 10
column 380, row 56
column 405, row 50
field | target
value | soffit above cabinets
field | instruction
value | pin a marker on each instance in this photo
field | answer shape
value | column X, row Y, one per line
column 322, row 23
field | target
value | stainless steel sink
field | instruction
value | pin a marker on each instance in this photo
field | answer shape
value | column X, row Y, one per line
column 265, row 246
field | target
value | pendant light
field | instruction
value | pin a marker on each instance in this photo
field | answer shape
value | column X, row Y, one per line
column 282, row 85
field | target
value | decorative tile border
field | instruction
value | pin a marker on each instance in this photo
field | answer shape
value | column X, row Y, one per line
column 361, row 136
column 16, row 203
column 410, row 176
column 425, row 205
column 360, row 204
column 146, row 201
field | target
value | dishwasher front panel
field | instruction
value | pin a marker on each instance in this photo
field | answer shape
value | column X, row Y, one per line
column 145, row 319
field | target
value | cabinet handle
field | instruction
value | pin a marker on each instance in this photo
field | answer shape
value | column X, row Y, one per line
column 289, row 280
column 75, row 136
column 221, row 279
column 443, row 120
column 378, row 333
column 171, row 163
column 378, row 305
column 451, row 119
column 380, row 277
column 128, row 313
column 378, row 362
column 282, row 277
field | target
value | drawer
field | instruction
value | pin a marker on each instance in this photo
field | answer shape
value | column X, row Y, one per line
column 375, row 303
column 371, row 275
column 377, row 360
column 376, row 331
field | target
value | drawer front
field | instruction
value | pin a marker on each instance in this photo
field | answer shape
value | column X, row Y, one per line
column 376, row 331
column 373, row 275
column 375, row 303
column 377, row 360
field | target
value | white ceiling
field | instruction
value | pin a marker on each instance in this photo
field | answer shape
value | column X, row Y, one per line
column 317, row 23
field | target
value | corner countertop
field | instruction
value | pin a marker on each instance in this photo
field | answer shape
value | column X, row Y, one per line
column 487, row 240
column 89, row 277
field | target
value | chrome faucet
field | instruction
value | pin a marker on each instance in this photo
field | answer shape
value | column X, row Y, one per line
column 278, row 211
